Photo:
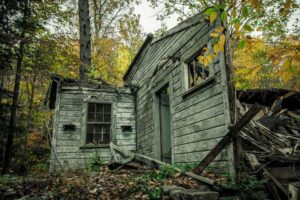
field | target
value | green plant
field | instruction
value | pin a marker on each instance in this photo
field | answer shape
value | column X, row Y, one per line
column 94, row 163
column 249, row 188
column 6, row 178
column 42, row 167
column 151, row 184
column 186, row 167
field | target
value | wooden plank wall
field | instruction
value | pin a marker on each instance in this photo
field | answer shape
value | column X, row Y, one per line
column 70, row 104
column 199, row 120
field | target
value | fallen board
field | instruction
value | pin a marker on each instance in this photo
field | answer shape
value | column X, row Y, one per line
column 123, row 156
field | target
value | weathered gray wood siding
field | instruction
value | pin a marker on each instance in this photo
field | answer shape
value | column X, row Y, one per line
column 71, row 107
column 198, row 120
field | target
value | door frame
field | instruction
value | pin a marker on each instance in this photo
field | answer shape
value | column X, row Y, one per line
column 156, row 120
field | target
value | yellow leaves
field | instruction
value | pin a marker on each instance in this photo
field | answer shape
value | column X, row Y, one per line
column 222, row 40
column 255, row 4
column 219, row 29
column 206, row 59
column 213, row 16
column 279, row 65
column 217, row 32
column 219, row 45
column 216, row 48
column 285, row 65
column 214, row 34
column 254, row 72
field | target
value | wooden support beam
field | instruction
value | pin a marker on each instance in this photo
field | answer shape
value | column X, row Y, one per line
column 233, row 132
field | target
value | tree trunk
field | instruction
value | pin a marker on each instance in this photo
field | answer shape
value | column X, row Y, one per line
column 85, row 40
column 14, row 106
column 1, row 116
column 96, row 24
column 30, row 104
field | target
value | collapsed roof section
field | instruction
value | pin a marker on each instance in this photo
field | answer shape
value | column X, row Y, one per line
column 58, row 81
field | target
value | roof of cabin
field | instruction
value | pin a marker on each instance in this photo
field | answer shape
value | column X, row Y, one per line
column 167, row 36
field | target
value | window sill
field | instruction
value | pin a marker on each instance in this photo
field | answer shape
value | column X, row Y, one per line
column 94, row 146
column 198, row 87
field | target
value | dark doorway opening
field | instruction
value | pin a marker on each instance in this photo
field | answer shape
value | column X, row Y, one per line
column 164, row 124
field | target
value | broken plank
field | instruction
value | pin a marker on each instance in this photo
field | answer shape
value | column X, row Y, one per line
column 127, row 156
column 270, row 135
column 254, row 163
column 233, row 132
column 294, row 191
column 156, row 163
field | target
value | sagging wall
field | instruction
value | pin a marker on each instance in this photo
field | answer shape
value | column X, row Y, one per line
column 71, row 108
column 199, row 117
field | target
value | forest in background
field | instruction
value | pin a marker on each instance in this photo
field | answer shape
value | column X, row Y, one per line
column 41, row 37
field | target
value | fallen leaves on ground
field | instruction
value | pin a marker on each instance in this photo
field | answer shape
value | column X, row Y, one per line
column 105, row 184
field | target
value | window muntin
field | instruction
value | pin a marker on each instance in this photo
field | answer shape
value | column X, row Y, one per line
column 197, row 71
column 98, row 123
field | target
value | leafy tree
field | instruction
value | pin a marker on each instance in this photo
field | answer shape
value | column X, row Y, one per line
column 263, row 65
column 25, row 24
column 113, row 53
column 13, row 113
column 240, row 19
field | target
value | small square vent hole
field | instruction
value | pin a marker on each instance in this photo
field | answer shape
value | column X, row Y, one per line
column 126, row 129
column 69, row 128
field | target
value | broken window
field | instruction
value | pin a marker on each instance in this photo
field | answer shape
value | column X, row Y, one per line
column 197, row 72
column 98, row 123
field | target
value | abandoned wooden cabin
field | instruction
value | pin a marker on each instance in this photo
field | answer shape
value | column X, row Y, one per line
column 171, row 107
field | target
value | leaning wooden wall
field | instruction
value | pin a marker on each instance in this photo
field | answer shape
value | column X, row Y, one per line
column 200, row 119
column 70, row 109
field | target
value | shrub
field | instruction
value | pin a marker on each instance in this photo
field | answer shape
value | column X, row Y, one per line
column 94, row 163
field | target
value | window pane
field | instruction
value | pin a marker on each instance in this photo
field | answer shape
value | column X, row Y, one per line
column 99, row 117
column 107, row 108
column 91, row 107
column 107, row 118
column 91, row 117
column 100, row 108
column 98, row 133
column 106, row 128
column 106, row 138
column 98, row 138
column 90, row 133
column 98, row 128
column 197, row 72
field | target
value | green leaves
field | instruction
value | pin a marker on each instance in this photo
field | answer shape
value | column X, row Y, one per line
column 224, row 16
column 245, row 12
column 241, row 44
column 210, row 11
column 247, row 27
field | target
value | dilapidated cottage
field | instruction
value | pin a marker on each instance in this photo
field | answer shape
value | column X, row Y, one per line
column 87, row 118
column 171, row 108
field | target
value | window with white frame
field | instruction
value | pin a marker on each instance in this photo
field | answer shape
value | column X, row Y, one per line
column 98, row 123
column 196, row 71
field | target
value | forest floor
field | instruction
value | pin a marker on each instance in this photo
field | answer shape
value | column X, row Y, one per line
column 104, row 184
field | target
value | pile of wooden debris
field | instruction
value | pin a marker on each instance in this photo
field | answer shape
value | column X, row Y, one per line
column 271, row 141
